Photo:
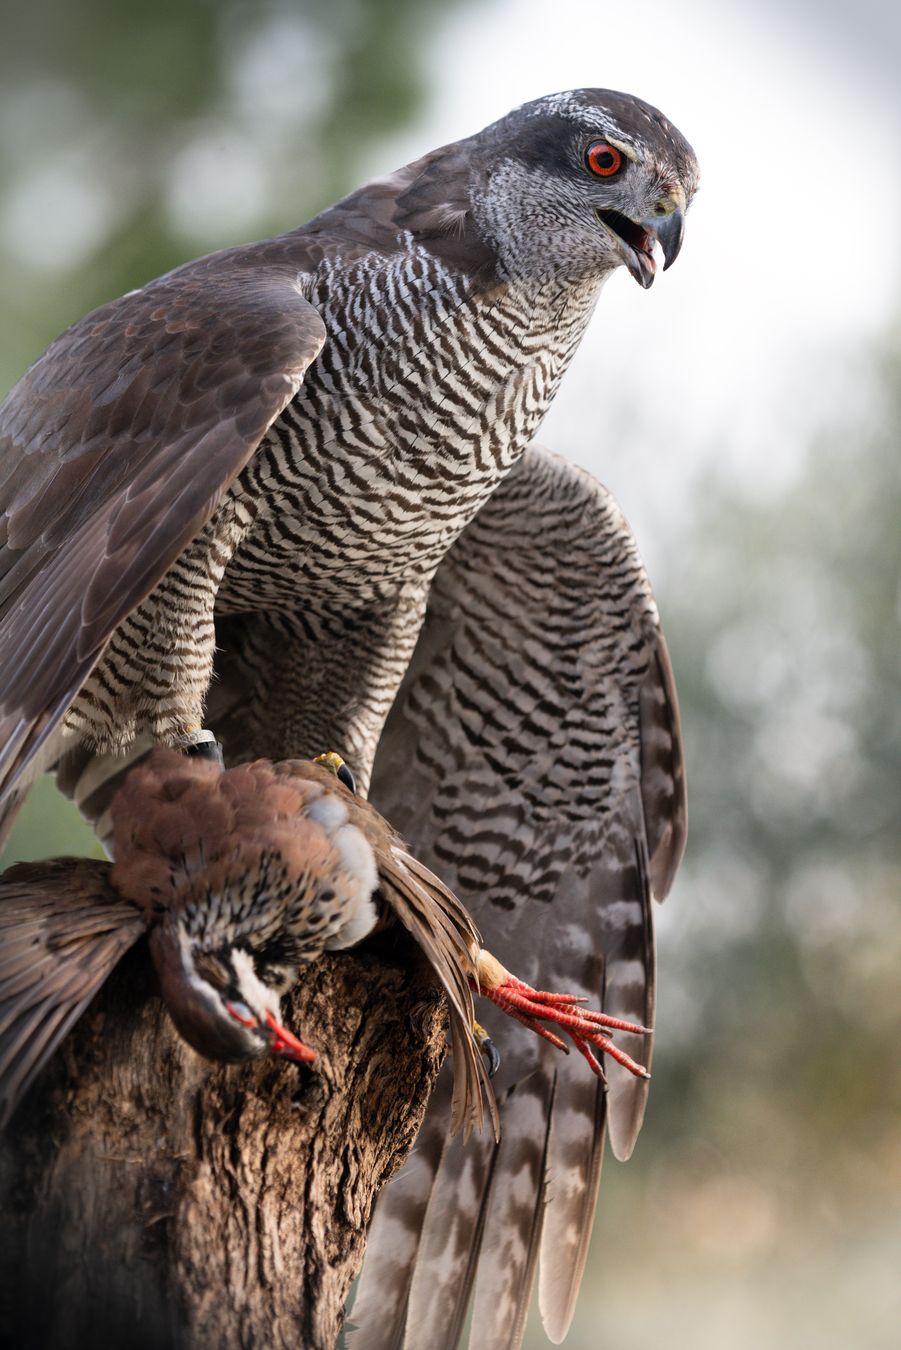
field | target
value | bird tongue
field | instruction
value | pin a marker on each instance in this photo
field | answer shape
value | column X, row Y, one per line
column 285, row 1044
column 642, row 266
column 637, row 250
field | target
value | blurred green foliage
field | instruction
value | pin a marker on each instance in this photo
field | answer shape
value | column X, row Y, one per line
column 132, row 138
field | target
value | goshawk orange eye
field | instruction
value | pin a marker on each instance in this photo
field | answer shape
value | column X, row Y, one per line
column 603, row 159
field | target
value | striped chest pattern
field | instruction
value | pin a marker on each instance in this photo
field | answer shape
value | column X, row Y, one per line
column 425, row 394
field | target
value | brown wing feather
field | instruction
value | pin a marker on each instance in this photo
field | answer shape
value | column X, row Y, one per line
column 508, row 1253
column 448, row 1247
column 396, row 1232
column 519, row 763
column 116, row 447
column 440, row 925
column 62, row 930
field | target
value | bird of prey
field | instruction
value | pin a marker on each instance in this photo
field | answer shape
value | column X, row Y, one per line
column 241, row 878
column 533, row 759
column 311, row 454
column 302, row 427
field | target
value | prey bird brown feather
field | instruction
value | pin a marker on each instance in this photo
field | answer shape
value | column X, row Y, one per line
column 240, row 878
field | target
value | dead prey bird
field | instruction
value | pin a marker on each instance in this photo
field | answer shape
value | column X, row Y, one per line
column 241, row 878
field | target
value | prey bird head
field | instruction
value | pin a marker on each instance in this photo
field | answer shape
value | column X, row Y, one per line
column 583, row 182
column 245, row 876
column 218, row 1001
column 240, row 878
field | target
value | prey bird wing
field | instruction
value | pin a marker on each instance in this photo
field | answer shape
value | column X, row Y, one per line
column 436, row 920
column 62, row 930
column 116, row 447
column 440, row 927
column 533, row 758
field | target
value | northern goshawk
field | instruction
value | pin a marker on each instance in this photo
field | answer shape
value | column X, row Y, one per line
column 311, row 453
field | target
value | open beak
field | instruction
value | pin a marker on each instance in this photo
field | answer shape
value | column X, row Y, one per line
column 286, row 1045
column 636, row 239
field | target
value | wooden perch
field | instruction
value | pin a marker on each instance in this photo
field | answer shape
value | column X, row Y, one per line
column 155, row 1201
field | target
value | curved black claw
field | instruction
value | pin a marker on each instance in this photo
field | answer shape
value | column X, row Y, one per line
column 332, row 761
column 488, row 1048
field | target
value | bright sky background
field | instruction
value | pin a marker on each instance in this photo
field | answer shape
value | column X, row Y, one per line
column 761, row 333
column 757, row 339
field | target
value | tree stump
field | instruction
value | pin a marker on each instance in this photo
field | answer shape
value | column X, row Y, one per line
column 155, row 1201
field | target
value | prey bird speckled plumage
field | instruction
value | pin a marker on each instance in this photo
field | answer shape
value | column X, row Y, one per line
column 241, row 879
column 302, row 427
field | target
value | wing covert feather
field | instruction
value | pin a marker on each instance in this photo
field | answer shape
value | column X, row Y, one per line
column 116, row 446
column 439, row 924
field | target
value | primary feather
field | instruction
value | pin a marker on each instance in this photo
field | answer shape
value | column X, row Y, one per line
column 534, row 757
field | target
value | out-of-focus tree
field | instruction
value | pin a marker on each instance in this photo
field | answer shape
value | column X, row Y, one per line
column 784, row 619
column 134, row 139
column 131, row 139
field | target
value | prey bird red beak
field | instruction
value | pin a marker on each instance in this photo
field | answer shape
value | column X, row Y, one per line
column 281, row 1041
column 287, row 1045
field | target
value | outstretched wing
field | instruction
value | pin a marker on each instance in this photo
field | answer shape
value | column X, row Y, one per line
column 62, row 930
column 533, row 759
column 115, row 448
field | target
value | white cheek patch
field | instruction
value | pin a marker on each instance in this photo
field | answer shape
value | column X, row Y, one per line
column 258, row 996
column 204, row 991
column 198, row 985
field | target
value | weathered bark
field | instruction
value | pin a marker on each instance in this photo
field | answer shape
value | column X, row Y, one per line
column 154, row 1200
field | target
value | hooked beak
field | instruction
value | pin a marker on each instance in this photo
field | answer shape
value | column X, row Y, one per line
column 287, row 1046
column 635, row 240
column 670, row 233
